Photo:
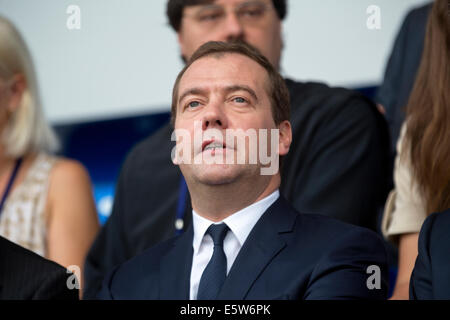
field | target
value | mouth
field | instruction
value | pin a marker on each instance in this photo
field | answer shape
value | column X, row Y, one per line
column 212, row 145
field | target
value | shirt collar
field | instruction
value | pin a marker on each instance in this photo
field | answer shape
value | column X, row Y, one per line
column 240, row 223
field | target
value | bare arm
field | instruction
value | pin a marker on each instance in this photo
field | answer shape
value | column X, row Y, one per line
column 407, row 254
column 72, row 218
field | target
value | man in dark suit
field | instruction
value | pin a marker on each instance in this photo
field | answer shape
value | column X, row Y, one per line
column 340, row 145
column 430, row 278
column 246, row 241
column 25, row 275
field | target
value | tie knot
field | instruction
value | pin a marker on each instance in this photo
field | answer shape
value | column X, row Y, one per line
column 217, row 233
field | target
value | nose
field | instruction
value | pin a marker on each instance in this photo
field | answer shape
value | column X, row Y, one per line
column 233, row 28
column 214, row 117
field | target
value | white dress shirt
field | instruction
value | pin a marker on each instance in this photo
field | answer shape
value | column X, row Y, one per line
column 240, row 224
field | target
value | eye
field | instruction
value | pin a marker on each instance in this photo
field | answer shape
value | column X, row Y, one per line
column 239, row 100
column 193, row 104
column 209, row 16
column 252, row 13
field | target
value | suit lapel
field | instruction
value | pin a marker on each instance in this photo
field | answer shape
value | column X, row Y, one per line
column 175, row 269
column 262, row 245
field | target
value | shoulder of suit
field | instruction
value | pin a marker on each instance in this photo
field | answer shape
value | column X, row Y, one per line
column 418, row 13
column 154, row 149
column 330, row 233
column 329, row 223
column 13, row 255
column 316, row 96
column 318, row 88
column 437, row 228
column 313, row 222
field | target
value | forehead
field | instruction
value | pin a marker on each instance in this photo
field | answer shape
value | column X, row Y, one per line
column 226, row 69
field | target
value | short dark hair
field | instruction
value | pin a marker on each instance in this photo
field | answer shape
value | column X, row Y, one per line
column 277, row 91
column 175, row 8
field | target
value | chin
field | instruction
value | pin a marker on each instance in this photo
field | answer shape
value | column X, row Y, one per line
column 218, row 174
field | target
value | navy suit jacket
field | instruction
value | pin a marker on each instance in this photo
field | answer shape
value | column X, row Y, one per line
column 431, row 275
column 286, row 256
column 24, row 275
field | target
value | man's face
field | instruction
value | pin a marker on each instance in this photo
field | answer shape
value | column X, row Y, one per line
column 253, row 21
column 224, row 94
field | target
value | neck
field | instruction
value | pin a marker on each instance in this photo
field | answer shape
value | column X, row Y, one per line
column 217, row 202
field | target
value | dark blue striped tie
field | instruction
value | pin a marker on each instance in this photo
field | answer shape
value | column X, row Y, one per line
column 216, row 271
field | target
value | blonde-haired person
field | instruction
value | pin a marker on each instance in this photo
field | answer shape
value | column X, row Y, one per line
column 422, row 166
column 46, row 202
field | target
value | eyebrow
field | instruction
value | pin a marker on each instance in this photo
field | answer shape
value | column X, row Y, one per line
column 234, row 88
column 227, row 89
column 209, row 6
column 192, row 91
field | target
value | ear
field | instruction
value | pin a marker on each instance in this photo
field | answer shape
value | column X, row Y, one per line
column 285, row 137
column 17, row 87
